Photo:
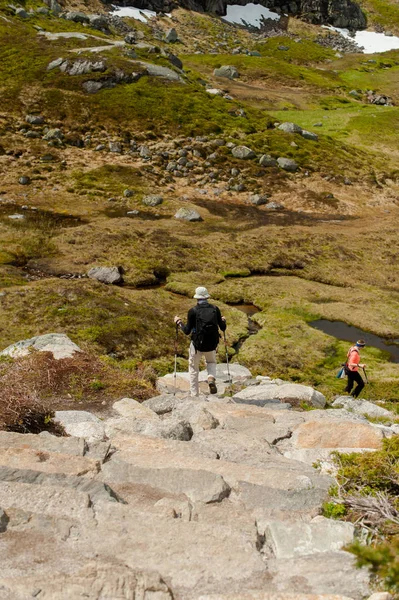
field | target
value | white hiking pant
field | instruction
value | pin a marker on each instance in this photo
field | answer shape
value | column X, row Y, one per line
column 194, row 359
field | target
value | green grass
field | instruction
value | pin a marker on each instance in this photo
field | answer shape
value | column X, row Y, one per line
column 370, row 128
column 264, row 69
column 382, row 12
column 110, row 179
column 304, row 52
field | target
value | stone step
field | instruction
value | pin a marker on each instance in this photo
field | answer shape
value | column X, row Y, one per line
column 93, row 581
column 48, row 462
column 323, row 573
column 37, row 480
column 44, row 442
column 192, row 556
column 45, row 500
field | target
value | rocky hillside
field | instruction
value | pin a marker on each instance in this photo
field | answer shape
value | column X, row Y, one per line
column 141, row 157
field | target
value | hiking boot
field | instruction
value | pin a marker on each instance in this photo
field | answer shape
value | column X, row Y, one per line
column 212, row 386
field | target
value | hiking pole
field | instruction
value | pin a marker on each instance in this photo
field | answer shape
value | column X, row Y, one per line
column 365, row 374
column 175, row 366
column 227, row 358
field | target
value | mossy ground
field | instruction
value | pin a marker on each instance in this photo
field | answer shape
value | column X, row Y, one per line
column 331, row 254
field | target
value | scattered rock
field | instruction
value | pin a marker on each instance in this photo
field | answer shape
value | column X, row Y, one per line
column 54, row 135
column 24, row 180
column 288, row 164
column 361, row 407
column 152, row 200
column 109, row 275
column 99, row 22
column 55, row 64
column 293, row 393
column 81, row 424
column 171, row 36
column 267, row 161
column 258, row 199
column 188, row 214
column 228, row 72
column 77, row 17
column 58, row 343
column 243, row 152
column 290, row 128
column 34, row 119
column 308, row 135
column 174, row 60
column 21, row 13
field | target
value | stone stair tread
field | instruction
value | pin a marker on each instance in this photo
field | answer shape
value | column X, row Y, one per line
column 48, row 462
column 43, row 442
column 37, row 480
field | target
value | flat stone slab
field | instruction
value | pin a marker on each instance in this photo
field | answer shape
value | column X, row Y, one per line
column 288, row 540
column 48, row 462
column 91, row 580
column 197, row 485
column 236, row 446
column 318, row 434
column 127, row 407
column 44, row 442
column 58, row 343
column 291, row 393
column 362, row 407
column 272, row 596
column 45, row 500
column 324, row 573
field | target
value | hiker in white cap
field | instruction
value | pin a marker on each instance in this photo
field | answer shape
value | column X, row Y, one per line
column 203, row 323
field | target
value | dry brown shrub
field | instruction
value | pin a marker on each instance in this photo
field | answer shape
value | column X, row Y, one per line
column 33, row 387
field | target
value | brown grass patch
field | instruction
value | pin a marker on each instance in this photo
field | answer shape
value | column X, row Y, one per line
column 33, row 387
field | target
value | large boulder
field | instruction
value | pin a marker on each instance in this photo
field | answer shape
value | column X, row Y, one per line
column 58, row 344
column 109, row 275
column 293, row 393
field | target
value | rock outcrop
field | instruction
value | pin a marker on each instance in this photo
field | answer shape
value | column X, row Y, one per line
column 129, row 510
column 340, row 13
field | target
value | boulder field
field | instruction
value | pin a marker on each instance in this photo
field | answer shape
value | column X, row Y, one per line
column 209, row 499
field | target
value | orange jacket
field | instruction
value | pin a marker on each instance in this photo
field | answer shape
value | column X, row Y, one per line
column 353, row 359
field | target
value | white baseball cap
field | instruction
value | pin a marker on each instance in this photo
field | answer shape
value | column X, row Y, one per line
column 201, row 293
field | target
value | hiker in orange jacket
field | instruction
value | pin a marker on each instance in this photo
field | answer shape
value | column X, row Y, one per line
column 352, row 369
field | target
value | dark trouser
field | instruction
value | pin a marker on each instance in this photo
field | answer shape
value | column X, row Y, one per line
column 354, row 376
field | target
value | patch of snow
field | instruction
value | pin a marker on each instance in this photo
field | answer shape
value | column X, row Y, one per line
column 139, row 14
column 250, row 13
column 370, row 41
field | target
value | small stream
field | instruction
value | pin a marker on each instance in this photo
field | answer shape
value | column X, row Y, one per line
column 250, row 310
column 348, row 333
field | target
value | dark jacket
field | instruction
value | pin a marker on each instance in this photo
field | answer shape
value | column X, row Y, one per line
column 192, row 319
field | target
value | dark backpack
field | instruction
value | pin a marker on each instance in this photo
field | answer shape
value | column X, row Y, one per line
column 206, row 335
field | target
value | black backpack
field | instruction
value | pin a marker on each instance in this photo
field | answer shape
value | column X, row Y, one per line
column 205, row 337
